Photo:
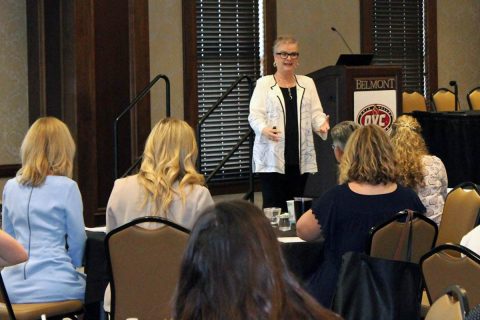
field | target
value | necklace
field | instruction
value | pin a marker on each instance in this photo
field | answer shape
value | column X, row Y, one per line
column 287, row 84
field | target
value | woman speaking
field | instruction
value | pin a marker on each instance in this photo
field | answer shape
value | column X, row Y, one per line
column 285, row 110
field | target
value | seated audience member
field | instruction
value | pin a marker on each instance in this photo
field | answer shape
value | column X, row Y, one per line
column 233, row 269
column 11, row 251
column 167, row 184
column 418, row 170
column 367, row 195
column 42, row 209
column 340, row 134
column 472, row 240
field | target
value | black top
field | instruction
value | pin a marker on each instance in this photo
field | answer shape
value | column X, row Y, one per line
column 291, row 126
column 346, row 218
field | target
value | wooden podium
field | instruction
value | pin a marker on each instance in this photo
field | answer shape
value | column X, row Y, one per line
column 365, row 94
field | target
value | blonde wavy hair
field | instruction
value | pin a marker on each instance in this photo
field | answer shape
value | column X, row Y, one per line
column 368, row 157
column 409, row 149
column 47, row 149
column 169, row 157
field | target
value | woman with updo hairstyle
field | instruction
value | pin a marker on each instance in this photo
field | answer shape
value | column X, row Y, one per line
column 368, row 194
column 233, row 269
column 418, row 169
column 42, row 209
column 167, row 184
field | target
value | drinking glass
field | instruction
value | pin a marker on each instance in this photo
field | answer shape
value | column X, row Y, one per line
column 284, row 222
column 272, row 214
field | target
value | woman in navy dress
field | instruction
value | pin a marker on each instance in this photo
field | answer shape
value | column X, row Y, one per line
column 366, row 196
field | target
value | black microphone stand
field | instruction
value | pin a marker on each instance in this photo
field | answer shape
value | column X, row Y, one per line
column 343, row 39
column 455, row 92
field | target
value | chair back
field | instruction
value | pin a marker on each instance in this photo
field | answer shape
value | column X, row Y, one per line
column 450, row 264
column 413, row 101
column 384, row 238
column 460, row 213
column 144, row 266
column 444, row 100
column 474, row 313
column 453, row 305
column 473, row 98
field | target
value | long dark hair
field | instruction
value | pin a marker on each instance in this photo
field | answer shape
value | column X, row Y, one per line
column 233, row 269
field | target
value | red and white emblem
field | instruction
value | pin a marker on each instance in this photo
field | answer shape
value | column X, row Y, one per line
column 376, row 113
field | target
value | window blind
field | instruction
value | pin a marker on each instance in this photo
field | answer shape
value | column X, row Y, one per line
column 400, row 39
column 227, row 48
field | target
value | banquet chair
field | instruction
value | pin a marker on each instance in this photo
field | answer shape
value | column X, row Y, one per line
column 474, row 313
column 144, row 265
column 473, row 98
column 444, row 100
column 33, row 311
column 452, row 305
column 460, row 213
column 384, row 237
column 441, row 269
column 413, row 101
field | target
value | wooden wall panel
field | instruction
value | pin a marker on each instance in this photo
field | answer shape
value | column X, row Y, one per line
column 95, row 59
column 112, row 92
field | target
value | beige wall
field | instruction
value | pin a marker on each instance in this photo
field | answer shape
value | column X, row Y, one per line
column 310, row 22
column 13, row 79
column 166, row 57
column 458, row 45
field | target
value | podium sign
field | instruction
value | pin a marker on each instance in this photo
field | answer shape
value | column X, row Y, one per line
column 375, row 101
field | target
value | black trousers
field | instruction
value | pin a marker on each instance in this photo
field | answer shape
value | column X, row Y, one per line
column 277, row 188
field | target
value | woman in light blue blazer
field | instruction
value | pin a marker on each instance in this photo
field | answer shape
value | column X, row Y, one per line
column 42, row 209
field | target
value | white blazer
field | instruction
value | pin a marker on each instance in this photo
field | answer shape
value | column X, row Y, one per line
column 267, row 109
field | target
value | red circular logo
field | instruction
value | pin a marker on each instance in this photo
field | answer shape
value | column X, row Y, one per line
column 378, row 114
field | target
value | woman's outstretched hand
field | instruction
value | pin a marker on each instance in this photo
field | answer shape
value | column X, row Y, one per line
column 325, row 126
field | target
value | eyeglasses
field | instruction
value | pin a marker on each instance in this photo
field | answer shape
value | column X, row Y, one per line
column 285, row 55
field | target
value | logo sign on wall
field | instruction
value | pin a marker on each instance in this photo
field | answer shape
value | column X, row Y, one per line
column 375, row 102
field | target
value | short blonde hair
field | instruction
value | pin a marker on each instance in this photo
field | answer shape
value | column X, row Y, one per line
column 283, row 39
column 368, row 157
column 47, row 149
column 409, row 149
column 169, row 157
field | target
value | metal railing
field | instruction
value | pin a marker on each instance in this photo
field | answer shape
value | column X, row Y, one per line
column 132, row 104
column 246, row 135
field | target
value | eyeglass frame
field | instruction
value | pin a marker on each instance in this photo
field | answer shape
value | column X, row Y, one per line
column 285, row 55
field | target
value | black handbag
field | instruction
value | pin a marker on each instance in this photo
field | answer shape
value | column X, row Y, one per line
column 374, row 288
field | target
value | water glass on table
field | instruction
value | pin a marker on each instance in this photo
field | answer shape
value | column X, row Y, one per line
column 272, row 215
column 284, row 222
